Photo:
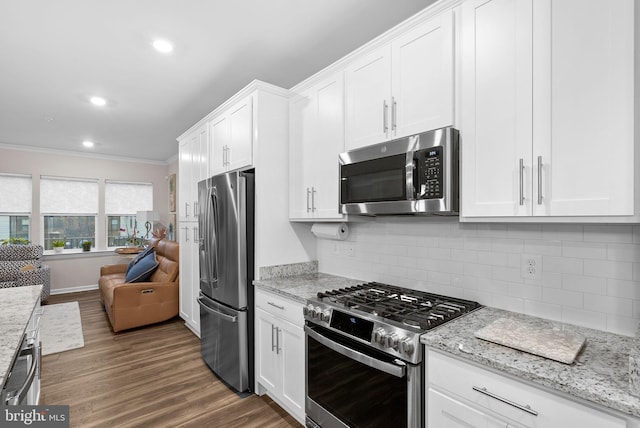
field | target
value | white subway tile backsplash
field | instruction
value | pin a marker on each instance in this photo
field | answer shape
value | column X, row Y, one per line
column 584, row 250
column 564, row 298
column 608, row 233
column 623, row 252
column 562, row 264
column 585, row 284
column 549, row 311
column 609, row 269
column 590, row 274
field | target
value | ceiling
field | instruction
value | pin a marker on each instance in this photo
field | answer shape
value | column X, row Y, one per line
column 55, row 55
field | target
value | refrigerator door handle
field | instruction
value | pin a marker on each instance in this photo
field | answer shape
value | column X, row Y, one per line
column 216, row 313
column 212, row 262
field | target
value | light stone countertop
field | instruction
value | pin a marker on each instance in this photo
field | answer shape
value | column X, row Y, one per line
column 600, row 373
column 16, row 308
column 303, row 287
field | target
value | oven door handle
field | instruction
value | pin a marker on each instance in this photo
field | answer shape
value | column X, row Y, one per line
column 392, row 369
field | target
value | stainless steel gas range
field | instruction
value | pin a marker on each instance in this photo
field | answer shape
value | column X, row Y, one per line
column 365, row 365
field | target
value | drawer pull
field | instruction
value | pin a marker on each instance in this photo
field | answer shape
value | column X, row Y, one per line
column 526, row 408
column 276, row 306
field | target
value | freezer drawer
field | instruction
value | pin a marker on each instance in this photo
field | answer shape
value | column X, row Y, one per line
column 224, row 342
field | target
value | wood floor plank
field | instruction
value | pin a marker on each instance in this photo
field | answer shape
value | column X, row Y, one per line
column 147, row 377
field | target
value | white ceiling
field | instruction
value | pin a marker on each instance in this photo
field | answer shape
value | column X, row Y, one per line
column 54, row 55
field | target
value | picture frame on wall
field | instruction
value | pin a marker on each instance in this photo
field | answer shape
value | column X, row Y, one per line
column 172, row 193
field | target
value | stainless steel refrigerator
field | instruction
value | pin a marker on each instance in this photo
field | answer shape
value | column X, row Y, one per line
column 226, row 251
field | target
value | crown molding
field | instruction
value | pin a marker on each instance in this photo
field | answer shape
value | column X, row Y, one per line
column 22, row 148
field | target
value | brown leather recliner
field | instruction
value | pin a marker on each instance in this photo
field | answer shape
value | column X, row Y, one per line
column 130, row 305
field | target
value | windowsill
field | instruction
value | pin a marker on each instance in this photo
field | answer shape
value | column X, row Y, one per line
column 77, row 253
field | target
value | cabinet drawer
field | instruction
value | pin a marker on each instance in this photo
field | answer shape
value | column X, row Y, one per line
column 280, row 306
column 509, row 398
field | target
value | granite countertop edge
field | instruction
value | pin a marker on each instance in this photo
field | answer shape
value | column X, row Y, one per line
column 303, row 287
column 16, row 307
column 599, row 375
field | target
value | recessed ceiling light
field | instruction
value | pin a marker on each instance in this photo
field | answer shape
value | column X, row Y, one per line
column 162, row 46
column 98, row 101
column 87, row 143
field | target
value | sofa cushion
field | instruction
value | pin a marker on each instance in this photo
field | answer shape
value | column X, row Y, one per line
column 139, row 257
column 143, row 269
column 9, row 269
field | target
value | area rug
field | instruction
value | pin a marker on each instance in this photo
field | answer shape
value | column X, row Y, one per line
column 61, row 328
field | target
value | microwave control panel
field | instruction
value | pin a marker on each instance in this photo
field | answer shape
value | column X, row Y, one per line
column 430, row 174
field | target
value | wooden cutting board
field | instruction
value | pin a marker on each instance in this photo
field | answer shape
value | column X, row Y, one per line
column 545, row 341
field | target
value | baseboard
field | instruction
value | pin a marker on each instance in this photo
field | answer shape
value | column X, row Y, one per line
column 74, row 289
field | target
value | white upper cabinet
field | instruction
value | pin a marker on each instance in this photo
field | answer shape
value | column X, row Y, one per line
column 402, row 88
column 547, row 108
column 316, row 140
column 232, row 137
column 193, row 166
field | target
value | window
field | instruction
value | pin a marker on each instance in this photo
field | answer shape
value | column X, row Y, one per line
column 15, row 206
column 69, row 207
column 122, row 201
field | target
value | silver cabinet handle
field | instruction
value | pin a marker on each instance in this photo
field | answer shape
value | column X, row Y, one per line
column 313, row 199
column 308, row 193
column 273, row 342
column 186, row 209
column 539, row 180
column 525, row 408
column 385, row 109
column 186, row 234
column 195, row 234
column 521, row 174
column 393, row 113
column 16, row 397
column 278, row 348
column 276, row 306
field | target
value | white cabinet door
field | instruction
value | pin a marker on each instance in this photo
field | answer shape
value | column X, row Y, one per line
column 583, row 98
column 267, row 361
column 496, row 111
column 422, row 73
column 185, row 178
column 186, row 274
column 240, row 148
column 446, row 412
column 292, row 356
column 316, row 140
column 368, row 93
column 547, row 108
column 302, row 140
column 219, row 132
column 195, row 278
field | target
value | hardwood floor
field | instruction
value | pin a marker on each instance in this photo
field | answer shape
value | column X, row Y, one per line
column 147, row 377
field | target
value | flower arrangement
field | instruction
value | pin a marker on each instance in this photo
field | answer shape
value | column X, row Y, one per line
column 132, row 239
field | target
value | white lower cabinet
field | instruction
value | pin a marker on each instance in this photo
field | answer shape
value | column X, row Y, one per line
column 463, row 395
column 189, row 276
column 279, row 348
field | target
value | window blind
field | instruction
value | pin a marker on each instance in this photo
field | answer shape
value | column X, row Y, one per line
column 127, row 198
column 66, row 195
column 15, row 193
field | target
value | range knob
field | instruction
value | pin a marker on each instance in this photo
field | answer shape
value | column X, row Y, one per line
column 406, row 346
column 325, row 315
column 306, row 310
column 379, row 336
column 316, row 312
column 391, row 341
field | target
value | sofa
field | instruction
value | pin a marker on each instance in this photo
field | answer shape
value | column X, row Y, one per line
column 135, row 304
column 21, row 265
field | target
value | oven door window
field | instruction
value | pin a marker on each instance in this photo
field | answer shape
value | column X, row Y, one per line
column 375, row 180
column 359, row 395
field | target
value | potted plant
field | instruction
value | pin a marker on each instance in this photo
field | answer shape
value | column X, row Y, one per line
column 15, row 241
column 58, row 245
column 86, row 245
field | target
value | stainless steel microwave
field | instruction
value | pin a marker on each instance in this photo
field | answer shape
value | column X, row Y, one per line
column 410, row 175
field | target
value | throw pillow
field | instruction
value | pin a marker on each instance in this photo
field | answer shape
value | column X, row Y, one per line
column 139, row 257
column 143, row 269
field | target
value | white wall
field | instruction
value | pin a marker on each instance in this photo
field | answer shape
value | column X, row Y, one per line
column 590, row 273
column 70, row 271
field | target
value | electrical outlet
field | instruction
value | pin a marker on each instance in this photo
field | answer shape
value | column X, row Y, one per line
column 349, row 249
column 531, row 266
